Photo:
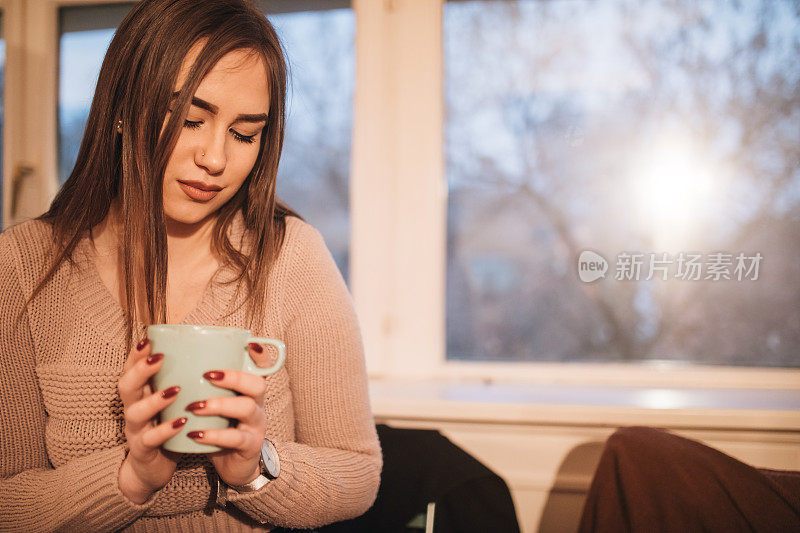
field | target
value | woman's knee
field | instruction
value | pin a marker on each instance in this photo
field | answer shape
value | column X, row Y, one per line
column 638, row 441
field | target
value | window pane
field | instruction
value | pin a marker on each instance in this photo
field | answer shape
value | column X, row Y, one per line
column 314, row 174
column 617, row 129
column 85, row 33
column 315, row 166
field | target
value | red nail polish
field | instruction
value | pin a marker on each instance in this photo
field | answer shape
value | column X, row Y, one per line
column 142, row 343
column 196, row 405
column 179, row 422
column 256, row 347
column 195, row 434
column 154, row 358
column 214, row 375
column 170, row 392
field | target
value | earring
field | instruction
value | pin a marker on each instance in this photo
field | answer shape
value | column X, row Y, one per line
column 119, row 126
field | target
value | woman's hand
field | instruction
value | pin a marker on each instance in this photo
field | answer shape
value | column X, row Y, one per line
column 147, row 466
column 238, row 462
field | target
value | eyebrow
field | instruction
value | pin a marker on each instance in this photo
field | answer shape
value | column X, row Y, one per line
column 211, row 108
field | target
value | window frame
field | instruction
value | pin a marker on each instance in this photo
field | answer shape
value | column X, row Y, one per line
column 13, row 122
column 398, row 194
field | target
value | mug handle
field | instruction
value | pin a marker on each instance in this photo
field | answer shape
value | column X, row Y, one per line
column 250, row 366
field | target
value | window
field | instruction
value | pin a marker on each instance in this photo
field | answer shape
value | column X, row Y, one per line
column 639, row 133
column 315, row 164
column 474, row 183
column 314, row 173
column 85, row 33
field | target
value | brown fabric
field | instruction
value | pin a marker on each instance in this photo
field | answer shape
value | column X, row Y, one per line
column 651, row 480
column 61, row 428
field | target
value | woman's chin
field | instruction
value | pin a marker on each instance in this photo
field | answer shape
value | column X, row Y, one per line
column 188, row 218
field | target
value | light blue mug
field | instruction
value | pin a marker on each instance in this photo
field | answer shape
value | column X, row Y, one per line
column 191, row 351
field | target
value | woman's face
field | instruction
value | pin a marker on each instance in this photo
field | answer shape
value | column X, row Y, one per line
column 220, row 138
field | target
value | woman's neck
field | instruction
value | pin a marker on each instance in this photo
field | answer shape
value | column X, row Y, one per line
column 186, row 243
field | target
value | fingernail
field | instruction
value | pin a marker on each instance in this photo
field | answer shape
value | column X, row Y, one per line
column 196, row 405
column 170, row 392
column 154, row 358
column 256, row 347
column 214, row 375
column 179, row 422
column 142, row 343
column 195, row 434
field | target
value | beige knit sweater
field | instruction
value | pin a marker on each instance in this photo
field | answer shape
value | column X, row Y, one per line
column 61, row 425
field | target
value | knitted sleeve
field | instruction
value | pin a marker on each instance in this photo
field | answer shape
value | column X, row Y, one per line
column 82, row 495
column 332, row 471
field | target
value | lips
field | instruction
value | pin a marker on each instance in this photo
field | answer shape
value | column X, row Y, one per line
column 199, row 191
column 200, row 185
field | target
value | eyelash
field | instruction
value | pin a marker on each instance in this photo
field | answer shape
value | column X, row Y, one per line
column 247, row 139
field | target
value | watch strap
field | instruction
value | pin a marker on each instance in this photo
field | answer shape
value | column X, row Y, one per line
column 222, row 492
column 253, row 486
column 270, row 469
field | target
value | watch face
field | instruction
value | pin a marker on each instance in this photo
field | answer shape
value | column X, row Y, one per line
column 269, row 458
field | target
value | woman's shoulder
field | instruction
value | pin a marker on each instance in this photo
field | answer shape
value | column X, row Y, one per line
column 23, row 251
column 34, row 228
column 301, row 238
column 306, row 260
column 29, row 240
column 298, row 228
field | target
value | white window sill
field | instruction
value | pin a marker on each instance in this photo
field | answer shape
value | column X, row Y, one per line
column 597, row 406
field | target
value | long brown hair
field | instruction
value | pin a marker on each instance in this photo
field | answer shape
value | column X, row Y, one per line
column 135, row 86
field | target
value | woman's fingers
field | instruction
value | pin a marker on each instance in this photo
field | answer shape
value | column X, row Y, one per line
column 158, row 435
column 259, row 356
column 133, row 384
column 139, row 414
column 141, row 350
column 229, row 438
column 236, row 380
column 241, row 408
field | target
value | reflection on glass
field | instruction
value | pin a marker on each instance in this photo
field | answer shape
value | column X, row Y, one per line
column 623, row 128
column 315, row 165
column 314, row 174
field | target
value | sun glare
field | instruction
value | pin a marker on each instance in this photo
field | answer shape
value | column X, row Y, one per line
column 674, row 192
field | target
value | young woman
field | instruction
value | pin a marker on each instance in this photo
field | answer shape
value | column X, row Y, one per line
column 171, row 216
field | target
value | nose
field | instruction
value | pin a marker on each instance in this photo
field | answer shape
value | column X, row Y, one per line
column 210, row 153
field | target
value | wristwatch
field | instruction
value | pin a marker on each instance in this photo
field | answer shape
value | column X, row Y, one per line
column 270, row 469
